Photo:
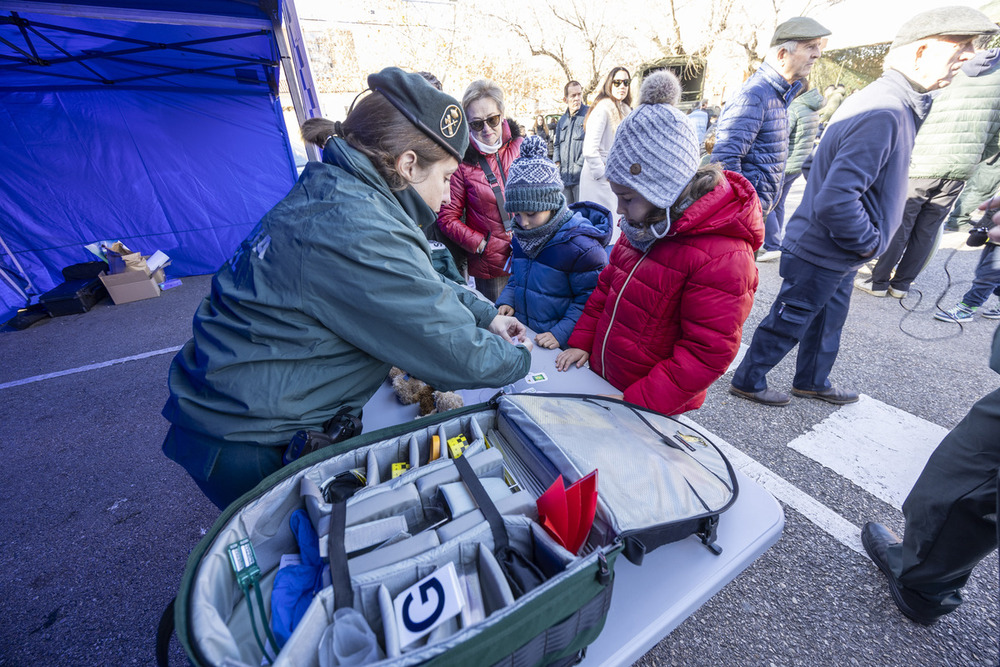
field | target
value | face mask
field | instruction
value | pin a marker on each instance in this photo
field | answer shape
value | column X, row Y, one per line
column 483, row 148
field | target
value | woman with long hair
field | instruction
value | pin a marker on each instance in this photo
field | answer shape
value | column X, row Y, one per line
column 332, row 288
column 609, row 109
column 475, row 218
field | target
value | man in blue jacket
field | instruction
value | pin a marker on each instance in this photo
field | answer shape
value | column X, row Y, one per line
column 567, row 152
column 853, row 203
column 751, row 137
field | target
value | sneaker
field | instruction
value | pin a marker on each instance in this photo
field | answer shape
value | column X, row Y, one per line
column 769, row 256
column 991, row 313
column 865, row 285
column 896, row 293
column 960, row 313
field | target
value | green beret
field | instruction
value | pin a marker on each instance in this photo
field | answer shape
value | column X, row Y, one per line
column 436, row 114
column 798, row 29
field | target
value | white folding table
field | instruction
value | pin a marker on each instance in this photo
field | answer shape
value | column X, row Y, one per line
column 652, row 599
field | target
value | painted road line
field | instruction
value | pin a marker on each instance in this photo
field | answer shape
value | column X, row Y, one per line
column 89, row 367
column 822, row 516
column 880, row 448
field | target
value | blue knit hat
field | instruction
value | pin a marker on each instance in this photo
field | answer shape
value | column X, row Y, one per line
column 533, row 182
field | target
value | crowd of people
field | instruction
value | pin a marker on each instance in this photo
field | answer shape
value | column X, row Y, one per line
column 619, row 237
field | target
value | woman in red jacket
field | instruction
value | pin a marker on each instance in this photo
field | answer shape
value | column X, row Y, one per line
column 666, row 318
column 475, row 218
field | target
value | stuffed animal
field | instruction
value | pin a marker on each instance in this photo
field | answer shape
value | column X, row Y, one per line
column 410, row 390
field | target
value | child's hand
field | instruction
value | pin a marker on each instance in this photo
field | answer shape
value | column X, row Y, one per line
column 546, row 340
column 505, row 310
column 573, row 355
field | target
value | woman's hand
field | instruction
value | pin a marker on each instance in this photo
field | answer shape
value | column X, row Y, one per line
column 546, row 340
column 508, row 328
column 481, row 247
column 573, row 355
column 505, row 310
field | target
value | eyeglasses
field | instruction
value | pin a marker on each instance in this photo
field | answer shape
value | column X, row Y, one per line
column 621, row 82
column 477, row 125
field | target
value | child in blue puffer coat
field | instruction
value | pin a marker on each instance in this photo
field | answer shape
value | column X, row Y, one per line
column 557, row 252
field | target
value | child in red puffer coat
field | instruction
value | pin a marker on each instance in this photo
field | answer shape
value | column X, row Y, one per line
column 666, row 318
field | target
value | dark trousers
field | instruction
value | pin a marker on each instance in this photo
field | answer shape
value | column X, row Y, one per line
column 774, row 223
column 810, row 311
column 927, row 204
column 987, row 277
column 951, row 512
column 223, row 470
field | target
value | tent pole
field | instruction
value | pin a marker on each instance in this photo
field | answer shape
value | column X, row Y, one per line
column 295, row 63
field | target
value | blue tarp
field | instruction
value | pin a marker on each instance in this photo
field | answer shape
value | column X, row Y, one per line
column 167, row 136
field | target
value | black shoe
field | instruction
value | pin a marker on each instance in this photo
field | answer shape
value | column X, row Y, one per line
column 765, row 396
column 832, row 395
column 877, row 539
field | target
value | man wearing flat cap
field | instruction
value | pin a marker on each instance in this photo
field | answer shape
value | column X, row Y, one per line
column 856, row 184
column 751, row 137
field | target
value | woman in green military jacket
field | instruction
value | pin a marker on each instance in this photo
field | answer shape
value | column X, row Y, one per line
column 333, row 287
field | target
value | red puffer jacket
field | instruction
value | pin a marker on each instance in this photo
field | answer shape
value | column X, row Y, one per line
column 472, row 195
column 664, row 325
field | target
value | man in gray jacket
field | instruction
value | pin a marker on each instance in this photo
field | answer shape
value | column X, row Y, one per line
column 567, row 152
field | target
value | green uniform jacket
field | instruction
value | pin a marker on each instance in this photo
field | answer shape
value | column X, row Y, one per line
column 803, row 125
column 961, row 128
column 333, row 286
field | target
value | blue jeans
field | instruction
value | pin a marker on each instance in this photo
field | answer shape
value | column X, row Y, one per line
column 987, row 277
column 810, row 311
column 775, row 220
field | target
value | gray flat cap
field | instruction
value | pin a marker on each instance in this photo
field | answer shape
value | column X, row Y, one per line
column 954, row 21
column 798, row 29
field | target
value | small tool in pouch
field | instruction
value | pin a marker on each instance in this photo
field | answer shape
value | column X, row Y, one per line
column 341, row 426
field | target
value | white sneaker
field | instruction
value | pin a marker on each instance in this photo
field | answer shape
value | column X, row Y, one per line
column 896, row 293
column 865, row 285
column 769, row 256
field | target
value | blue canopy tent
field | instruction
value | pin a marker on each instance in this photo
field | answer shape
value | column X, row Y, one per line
column 156, row 123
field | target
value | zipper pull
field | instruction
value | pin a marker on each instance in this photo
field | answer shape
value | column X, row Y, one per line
column 603, row 571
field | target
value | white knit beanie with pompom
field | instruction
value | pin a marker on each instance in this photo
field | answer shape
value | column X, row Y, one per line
column 655, row 151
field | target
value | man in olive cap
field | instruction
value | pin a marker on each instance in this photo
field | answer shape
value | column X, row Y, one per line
column 751, row 137
column 856, row 183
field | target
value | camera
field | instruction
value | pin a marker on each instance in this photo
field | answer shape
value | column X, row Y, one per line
column 979, row 235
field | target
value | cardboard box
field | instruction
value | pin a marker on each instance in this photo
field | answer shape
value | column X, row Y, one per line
column 131, row 286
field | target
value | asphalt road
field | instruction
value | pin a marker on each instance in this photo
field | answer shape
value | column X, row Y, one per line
column 96, row 524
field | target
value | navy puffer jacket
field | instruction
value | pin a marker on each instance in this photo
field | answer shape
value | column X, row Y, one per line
column 548, row 293
column 752, row 134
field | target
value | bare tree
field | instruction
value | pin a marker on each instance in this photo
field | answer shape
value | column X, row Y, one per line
column 573, row 34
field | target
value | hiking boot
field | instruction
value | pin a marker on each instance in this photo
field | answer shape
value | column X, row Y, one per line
column 866, row 285
column 960, row 313
column 991, row 313
column 896, row 293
